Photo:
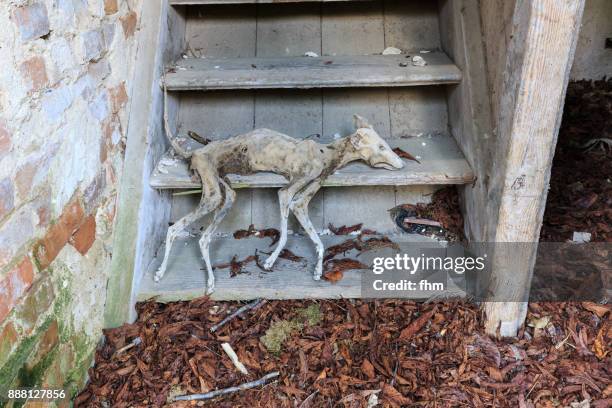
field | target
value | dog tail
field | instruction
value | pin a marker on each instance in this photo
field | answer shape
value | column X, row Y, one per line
column 175, row 145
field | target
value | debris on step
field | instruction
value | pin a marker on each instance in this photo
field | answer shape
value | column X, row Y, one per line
column 263, row 233
column 344, row 230
column 202, row 140
column 418, row 61
column 333, row 270
column 391, row 51
column 404, row 154
column 443, row 209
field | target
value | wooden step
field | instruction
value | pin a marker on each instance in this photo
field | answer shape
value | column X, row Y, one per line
column 308, row 72
column 186, row 276
column 441, row 163
column 205, row 2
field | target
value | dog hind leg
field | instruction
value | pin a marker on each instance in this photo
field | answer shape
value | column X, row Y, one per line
column 173, row 232
column 229, row 197
column 299, row 206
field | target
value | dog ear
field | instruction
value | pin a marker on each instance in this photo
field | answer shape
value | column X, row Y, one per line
column 361, row 122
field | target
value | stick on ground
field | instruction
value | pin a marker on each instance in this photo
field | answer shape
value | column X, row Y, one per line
column 241, row 387
column 248, row 306
column 234, row 357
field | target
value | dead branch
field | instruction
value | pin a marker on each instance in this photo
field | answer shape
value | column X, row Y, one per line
column 213, row 394
column 254, row 304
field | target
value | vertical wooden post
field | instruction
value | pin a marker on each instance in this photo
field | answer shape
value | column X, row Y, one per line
column 538, row 62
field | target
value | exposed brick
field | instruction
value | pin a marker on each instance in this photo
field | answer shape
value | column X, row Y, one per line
column 92, row 45
column 53, row 377
column 5, row 141
column 14, row 285
column 58, row 234
column 42, row 206
column 118, row 97
column 39, row 298
column 93, row 192
column 24, row 177
column 31, row 173
column 35, row 72
column 128, row 22
column 8, row 339
column 32, row 21
column 15, row 231
column 84, row 237
column 7, row 200
column 46, row 343
column 110, row 6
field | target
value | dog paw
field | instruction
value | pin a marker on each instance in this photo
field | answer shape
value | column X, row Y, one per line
column 210, row 290
column 158, row 276
column 269, row 264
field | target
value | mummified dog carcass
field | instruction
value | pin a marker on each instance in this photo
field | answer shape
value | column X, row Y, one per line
column 305, row 164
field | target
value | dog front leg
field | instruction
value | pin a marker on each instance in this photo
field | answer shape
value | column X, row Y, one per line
column 299, row 206
column 284, row 199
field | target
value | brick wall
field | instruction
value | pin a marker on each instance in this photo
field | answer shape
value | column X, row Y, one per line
column 64, row 86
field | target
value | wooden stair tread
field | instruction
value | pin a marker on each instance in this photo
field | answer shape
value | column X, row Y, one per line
column 185, row 277
column 309, row 72
column 441, row 163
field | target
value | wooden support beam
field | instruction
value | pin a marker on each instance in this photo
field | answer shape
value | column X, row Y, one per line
column 538, row 62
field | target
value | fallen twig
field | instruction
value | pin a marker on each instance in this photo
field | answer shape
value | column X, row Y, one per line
column 254, row 304
column 234, row 357
column 216, row 393
column 134, row 342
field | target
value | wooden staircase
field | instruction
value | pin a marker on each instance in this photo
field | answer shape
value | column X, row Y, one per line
column 243, row 66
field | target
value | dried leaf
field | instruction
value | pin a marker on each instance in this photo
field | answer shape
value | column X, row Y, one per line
column 368, row 369
column 416, row 325
column 405, row 155
column 344, row 230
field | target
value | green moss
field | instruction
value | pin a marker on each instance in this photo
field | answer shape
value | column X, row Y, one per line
column 277, row 334
column 311, row 314
column 33, row 377
column 279, row 331
column 14, row 366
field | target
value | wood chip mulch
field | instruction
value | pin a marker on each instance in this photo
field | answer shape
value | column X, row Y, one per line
column 400, row 353
column 580, row 196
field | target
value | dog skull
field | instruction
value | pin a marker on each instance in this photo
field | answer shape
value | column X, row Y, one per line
column 372, row 148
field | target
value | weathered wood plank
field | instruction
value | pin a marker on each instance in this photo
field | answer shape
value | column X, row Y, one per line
column 185, row 277
column 412, row 25
column 354, row 30
column 441, row 163
column 221, row 32
column 538, row 62
column 309, row 72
